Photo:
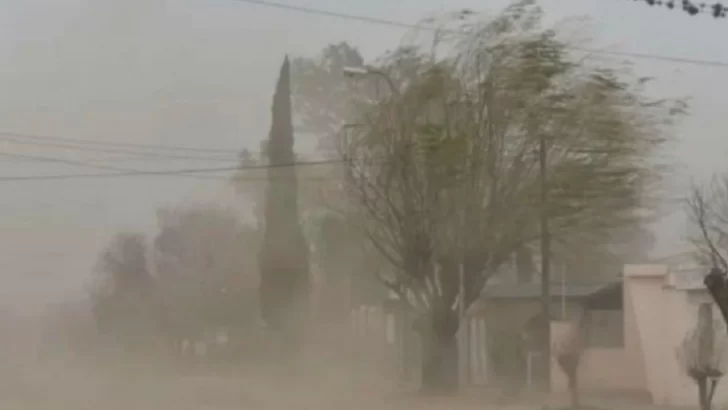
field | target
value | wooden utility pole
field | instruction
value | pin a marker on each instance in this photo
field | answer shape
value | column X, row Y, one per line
column 545, row 266
column 464, row 353
column 464, row 339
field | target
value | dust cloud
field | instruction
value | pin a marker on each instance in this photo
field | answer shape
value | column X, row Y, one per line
column 46, row 371
column 142, row 292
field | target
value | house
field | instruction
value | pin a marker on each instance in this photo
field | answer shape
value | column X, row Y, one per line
column 501, row 317
column 659, row 309
column 507, row 313
column 637, row 324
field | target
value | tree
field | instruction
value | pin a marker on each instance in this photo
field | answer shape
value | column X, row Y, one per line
column 124, row 300
column 325, row 100
column 346, row 261
column 206, row 267
column 250, row 181
column 284, row 254
column 707, row 211
column 442, row 171
column 702, row 355
column 320, row 91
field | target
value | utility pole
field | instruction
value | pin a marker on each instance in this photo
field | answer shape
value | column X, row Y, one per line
column 464, row 332
column 545, row 266
column 464, row 346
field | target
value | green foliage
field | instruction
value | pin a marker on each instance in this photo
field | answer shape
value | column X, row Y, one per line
column 348, row 265
column 321, row 92
column 284, row 255
column 205, row 278
column 205, row 263
column 124, row 305
column 443, row 169
column 446, row 169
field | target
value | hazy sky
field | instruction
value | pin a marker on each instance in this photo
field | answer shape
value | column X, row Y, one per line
column 200, row 73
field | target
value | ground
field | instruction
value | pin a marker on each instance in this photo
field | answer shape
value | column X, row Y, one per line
column 54, row 383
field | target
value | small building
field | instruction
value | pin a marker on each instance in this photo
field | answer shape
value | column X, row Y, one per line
column 511, row 314
column 660, row 309
column 503, row 325
column 637, row 323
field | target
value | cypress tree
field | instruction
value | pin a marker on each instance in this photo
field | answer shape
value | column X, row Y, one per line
column 284, row 255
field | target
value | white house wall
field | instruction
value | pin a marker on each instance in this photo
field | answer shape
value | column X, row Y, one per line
column 643, row 286
column 685, row 310
column 664, row 314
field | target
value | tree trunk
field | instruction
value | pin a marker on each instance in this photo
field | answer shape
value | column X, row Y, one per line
column 440, row 365
column 703, row 395
column 574, row 391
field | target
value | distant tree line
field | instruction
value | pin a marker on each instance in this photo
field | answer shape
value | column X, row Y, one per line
column 195, row 276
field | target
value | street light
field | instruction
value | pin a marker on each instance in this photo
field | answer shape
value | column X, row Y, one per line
column 363, row 71
column 355, row 71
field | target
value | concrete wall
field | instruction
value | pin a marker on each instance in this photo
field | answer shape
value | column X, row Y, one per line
column 509, row 315
column 680, row 318
column 665, row 311
column 660, row 311
column 601, row 369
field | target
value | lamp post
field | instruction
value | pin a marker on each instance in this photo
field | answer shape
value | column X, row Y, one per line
column 364, row 71
column 545, row 244
column 399, row 333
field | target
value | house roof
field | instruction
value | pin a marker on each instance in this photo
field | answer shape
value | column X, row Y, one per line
column 533, row 290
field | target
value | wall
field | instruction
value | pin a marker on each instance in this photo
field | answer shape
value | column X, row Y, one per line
column 659, row 312
column 601, row 369
column 680, row 389
column 503, row 315
column 624, row 369
column 665, row 311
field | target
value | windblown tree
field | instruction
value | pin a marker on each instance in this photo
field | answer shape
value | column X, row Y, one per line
column 124, row 298
column 205, row 260
column 250, row 182
column 346, row 261
column 702, row 355
column 321, row 92
column 284, row 254
column 443, row 171
column 324, row 101
column 707, row 211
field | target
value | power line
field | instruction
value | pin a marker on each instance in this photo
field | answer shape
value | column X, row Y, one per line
column 118, row 144
column 59, row 160
column 127, row 170
column 399, row 24
column 328, row 13
column 23, row 140
column 166, row 172
column 88, row 164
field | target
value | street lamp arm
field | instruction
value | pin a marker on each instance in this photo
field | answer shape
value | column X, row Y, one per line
column 369, row 70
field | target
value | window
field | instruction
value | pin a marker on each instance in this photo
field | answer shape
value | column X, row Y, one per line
column 605, row 328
